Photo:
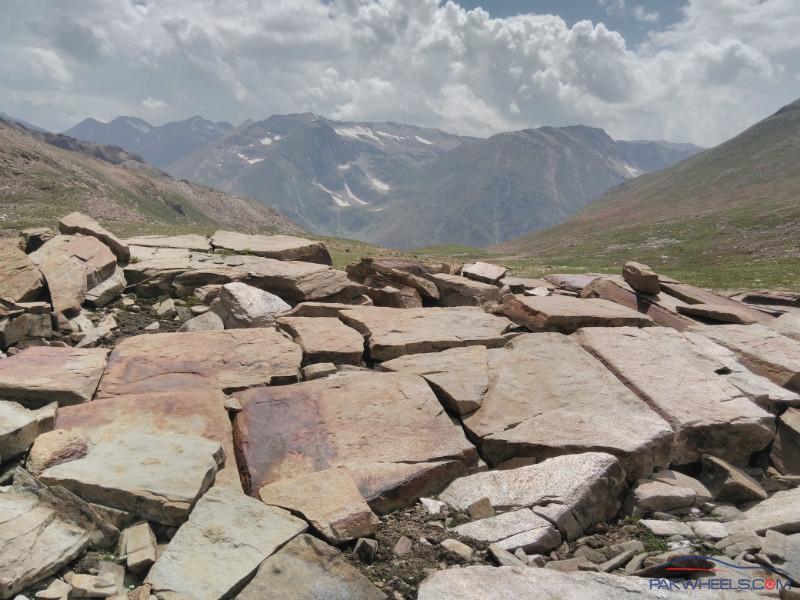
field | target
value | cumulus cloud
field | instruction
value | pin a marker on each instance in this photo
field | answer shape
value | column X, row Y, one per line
column 725, row 64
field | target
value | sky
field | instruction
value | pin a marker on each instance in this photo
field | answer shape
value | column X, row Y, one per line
column 695, row 71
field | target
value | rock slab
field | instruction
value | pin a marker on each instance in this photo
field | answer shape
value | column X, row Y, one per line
column 566, row 315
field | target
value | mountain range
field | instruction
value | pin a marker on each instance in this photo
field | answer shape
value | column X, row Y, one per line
column 394, row 184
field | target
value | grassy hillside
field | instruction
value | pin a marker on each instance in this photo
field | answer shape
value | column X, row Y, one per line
column 727, row 217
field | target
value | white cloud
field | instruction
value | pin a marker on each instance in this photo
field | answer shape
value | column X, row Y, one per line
column 641, row 14
column 724, row 65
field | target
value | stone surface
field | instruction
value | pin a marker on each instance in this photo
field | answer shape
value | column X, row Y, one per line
column 366, row 550
column 548, row 396
column 481, row 582
column 20, row 280
column 41, row 375
column 325, row 339
column 722, row 313
column 787, row 324
column 641, row 278
column 18, row 429
column 481, row 509
column 708, row 414
column 240, row 305
column 566, row 315
column 651, row 496
column 590, row 484
column 225, row 360
column 53, row 448
column 761, row 350
column 308, row 569
column 107, row 291
column 318, row 371
column 156, row 476
column 728, row 483
column 455, row 290
column 138, row 544
column 328, row 499
column 518, row 285
column 459, row 376
column 570, row 282
column 387, row 428
column 208, row 321
column 785, row 453
column 460, row 549
column 79, row 223
column 226, row 538
column 394, row 332
column 399, row 273
column 485, row 272
column 710, row 530
column 677, row 479
column 666, row 528
column 190, row 241
column 512, row 530
column 281, row 247
column 690, row 294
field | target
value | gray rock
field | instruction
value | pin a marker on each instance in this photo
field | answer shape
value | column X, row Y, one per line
column 505, row 530
column 240, row 306
column 666, row 528
column 460, row 549
column 455, row 290
column 651, row 496
column 138, row 544
column 485, row 272
column 560, row 516
column 778, row 512
column 710, row 530
column 366, row 549
column 318, row 371
column 641, row 278
column 18, row 430
column 678, row 479
column 785, row 452
column 729, row 483
column 208, row 321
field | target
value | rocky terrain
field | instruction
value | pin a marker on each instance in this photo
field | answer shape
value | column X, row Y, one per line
column 228, row 416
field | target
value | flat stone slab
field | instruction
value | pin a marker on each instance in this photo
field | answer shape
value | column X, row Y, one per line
column 82, row 224
column 761, row 350
column 307, row 568
column 455, row 290
column 778, row 512
column 485, row 272
column 329, row 500
column 590, row 484
column 515, row 529
column 787, row 324
column 459, row 376
column 190, row 241
column 388, row 429
column 20, row 280
column 566, row 315
column 97, row 259
column 156, row 476
column 18, row 429
column 40, row 375
column 199, row 412
column 226, row 360
column 394, row 332
column 785, row 452
column 548, row 396
column 722, row 313
column 325, row 339
column 226, row 538
column 694, row 295
column 708, row 414
column 570, row 282
column 281, row 247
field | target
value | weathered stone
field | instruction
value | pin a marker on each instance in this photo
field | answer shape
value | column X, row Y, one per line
column 504, row 558
column 548, row 396
column 566, row 315
column 387, row 428
column 480, row 509
column 189, row 241
column 641, row 278
column 366, row 550
column 281, row 247
column 328, row 499
column 461, row 550
column 455, row 290
column 241, row 305
column 485, row 272
column 157, row 476
column 394, row 332
column 721, row 313
column 590, row 484
column 308, row 569
column 707, row 414
column 434, row 507
column 394, row 296
column 570, row 282
column 20, row 280
column 652, row 496
column 710, row 530
column 761, row 350
column 165, row 309
column 785, row 453
column 38, row 376
column 107, row 291
column 25, row 327
column 403, row 546
column 57, row 590
column 695, row 295
column 198, row 412
column 325, row 339
column 79, row 223
column 226, row 538
column 138, row 545
column 561, row 516
column 787, row 324
column 226, row 360
column 34, row 237
column 18, row 429
column 666, row 528
column 460, row 376
column 728, row 483
column 208, row 321
column 53, row 448
column 318, row 371
column 397, row 272
column 677, row 479
column 518, row 285
column 512, row 530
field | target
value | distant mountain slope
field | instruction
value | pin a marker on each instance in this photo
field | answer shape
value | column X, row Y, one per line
column 159, row 146
column 7, row 117
column 488, row 191
column 44, row 176
column 737, row 204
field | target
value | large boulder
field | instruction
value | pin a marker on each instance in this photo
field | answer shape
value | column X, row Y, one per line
column 455, row 290
column 388, row 429
column 708, row 414
column 325, row 339
column 240, row 305
column 157, row 476
column 221, row 545
column 281, row 247
column 225, row 360
column 79, row 223
column 20, row 280
column 566, row 315
column 41, row 375
column 548, row 396
column 393, row 332
column 308, row 569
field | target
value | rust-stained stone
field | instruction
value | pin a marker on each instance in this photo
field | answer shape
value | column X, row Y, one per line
column 388, row 429
column 226, row 360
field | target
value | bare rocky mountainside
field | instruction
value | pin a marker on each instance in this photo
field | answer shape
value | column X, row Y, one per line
column 395, row 184
column 46, row 175
column 200, row 417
